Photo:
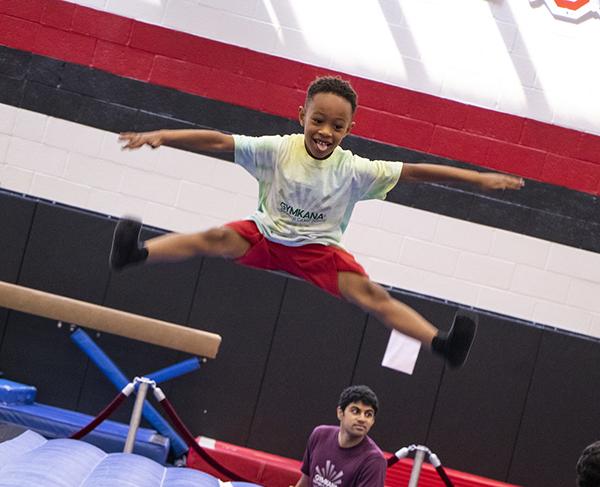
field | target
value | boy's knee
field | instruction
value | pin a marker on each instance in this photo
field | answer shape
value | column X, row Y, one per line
column 379, row 304
column 367, row 294
column 225, row 242
column 376, row 296
column 215, row 235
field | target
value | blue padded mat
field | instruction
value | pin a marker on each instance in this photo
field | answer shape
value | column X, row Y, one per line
column 53, row 422
column 29, row 460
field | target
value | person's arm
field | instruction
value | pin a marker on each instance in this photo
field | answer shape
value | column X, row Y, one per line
column 303, row 482
column 442, row 174
column 201, row 140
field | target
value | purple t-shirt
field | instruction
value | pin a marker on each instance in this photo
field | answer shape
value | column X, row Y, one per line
column 327, row 464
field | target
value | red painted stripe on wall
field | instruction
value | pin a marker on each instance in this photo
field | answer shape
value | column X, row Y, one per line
column 236, row 75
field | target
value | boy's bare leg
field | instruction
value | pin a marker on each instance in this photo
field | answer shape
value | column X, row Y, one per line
column 127, row 249
column 216, row 242
column 372, row 298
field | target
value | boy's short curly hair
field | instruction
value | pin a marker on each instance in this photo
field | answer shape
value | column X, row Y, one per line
column 362, row 394
column 333, row 84
column 588, row 466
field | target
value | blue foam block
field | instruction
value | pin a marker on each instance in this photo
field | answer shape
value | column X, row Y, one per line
column 15, row 393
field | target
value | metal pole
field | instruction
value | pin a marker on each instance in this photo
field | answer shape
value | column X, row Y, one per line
column 417, row 465
column 118, row 379
column 136, row 414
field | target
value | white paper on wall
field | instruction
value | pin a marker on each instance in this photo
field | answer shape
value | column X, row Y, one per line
column 401, row 353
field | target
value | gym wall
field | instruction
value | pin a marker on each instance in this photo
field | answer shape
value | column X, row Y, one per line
column 71, row 77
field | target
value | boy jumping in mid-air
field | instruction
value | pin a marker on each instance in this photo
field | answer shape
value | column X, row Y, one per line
column 308, row 187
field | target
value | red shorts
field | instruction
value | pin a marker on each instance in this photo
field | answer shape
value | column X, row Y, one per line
column 315, row 263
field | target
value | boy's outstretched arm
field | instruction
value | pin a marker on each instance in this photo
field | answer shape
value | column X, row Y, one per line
column 201, row 140
column 449, row 174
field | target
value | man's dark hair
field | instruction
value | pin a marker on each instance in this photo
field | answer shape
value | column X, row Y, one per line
column 335, row 85
column 362, row 394
column 588, row 466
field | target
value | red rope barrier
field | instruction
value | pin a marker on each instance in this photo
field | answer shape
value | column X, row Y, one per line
column 191, row 442
column 444, row 476
column 105, row 413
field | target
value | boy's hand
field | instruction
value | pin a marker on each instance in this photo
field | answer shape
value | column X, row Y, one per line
column 133, row 140
column 493, row 180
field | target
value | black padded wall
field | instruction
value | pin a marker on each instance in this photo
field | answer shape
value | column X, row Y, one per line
column 242, row 305
column 315, row 348
column 407, row 401
column 16, row 215
column 479, row 408
column 562, row 412
column 65, row 254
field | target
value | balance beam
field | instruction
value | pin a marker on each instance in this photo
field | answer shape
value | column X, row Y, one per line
column 88, row 315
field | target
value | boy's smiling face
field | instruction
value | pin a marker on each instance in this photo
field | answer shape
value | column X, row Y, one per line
column 327, row 119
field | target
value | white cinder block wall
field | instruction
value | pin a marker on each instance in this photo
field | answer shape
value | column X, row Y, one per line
column 399, row 246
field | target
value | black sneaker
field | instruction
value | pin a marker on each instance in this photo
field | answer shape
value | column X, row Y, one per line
column 455, row 345
column 126, row 247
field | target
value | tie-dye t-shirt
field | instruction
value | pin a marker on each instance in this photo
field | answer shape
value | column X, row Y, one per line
column 303, row 200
